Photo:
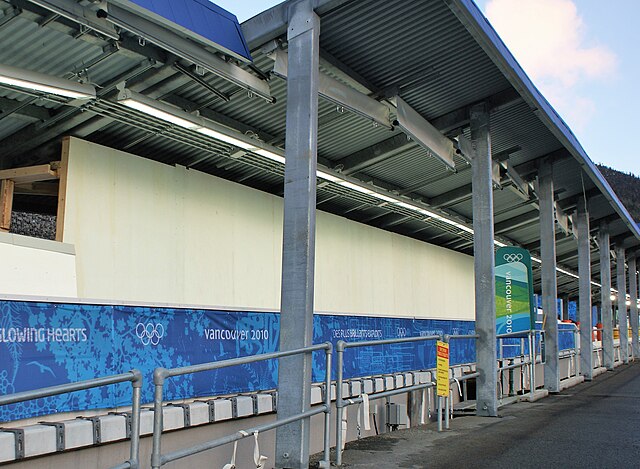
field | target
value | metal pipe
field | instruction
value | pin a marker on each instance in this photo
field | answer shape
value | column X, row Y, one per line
column 239, row 435
column 532, row 364
column 156, row 459
column 327, row 414
column 66, row 388
column 369, row 343
column 447, row 403
column 340, row 346
column 242, row 360
column 439, row 413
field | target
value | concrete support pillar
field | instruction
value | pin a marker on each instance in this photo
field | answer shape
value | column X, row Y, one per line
column 605, row 297
column 549, row 285
column 298, row 250
column 621, row 282
column 633, row 310
column 484, row 263
column 584, row 301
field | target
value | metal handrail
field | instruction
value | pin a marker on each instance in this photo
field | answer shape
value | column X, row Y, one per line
column 341, row 346
column 161, row 374
column 133, row 376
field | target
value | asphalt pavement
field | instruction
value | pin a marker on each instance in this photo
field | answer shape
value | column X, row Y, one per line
column 593, row 425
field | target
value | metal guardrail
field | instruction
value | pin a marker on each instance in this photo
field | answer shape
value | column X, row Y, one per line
column 161, row 374
column 133, row 376
column 341, row 346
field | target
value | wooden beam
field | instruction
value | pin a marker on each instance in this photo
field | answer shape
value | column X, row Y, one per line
column 46, row 189
column 62, row 189
column 43, row 172
column 6, row 204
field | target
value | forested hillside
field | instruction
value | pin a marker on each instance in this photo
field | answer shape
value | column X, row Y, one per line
column 626, row 186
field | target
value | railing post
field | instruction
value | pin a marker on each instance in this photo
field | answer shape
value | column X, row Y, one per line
column 339, row 404
column 532, row 365
column 159, row 376
column 326, row 462
column 136, row 386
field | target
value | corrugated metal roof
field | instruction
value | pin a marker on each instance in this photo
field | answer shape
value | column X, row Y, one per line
column 436, row 58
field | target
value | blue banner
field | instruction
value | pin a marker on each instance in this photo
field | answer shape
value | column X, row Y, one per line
column 44, row 344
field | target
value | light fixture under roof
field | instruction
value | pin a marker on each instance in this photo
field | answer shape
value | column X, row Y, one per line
column 30, row 80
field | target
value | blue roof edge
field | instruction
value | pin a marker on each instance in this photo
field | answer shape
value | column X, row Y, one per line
column 244, row 55
column 487, row 37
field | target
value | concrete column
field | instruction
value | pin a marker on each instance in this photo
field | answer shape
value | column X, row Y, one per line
column 549, row 285
column 298, row 250
column 605, row 297
column 484, row 264
column 633, row 310
column 621, row 282
column 584, row 301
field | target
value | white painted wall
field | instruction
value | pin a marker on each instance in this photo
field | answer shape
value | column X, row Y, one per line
column 144, row 231
column 36, row 267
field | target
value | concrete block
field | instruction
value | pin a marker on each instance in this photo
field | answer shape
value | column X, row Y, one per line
column 422, row 377
column 39, row 439
column 356, row 387
column 172, row 418
column 389, row 382
column 199, row 412
column 316, row 395
column 264, row 403
column 408, row 379
column 346, row 392
column 113, row 428
column 243, row 406
column 333, row 392
column 399, row 381
column 378, row 384
column 222, row 409
column 7, row 446
column 367, row 385
column 146, row 422
column 78, row 433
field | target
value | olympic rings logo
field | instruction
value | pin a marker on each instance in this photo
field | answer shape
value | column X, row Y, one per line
column 150, row 333
column 513, row 257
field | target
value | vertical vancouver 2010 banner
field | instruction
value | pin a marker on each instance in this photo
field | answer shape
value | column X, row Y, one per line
column 515, row 309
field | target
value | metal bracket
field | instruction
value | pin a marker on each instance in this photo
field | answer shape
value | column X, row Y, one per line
column 234, row 407
column 212, row 410
column 19, row 440
column 97, row 432
column 274, row 398
column 59, row 426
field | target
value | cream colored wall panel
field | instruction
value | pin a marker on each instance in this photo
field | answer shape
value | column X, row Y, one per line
column 149, row 232
column 34, row 267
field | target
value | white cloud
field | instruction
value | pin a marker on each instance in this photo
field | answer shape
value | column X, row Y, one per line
column 550, row 40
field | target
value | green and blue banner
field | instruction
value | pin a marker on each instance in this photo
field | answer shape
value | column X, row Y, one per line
column 515, row 308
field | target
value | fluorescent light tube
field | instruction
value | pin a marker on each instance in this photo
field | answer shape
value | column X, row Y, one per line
column 269, row 154
column 160, row 113
column 45, row 83
column 227, row 138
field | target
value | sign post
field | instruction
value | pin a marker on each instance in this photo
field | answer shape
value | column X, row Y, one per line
column 442, row 376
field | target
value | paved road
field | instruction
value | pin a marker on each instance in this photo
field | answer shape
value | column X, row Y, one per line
column 592, row 425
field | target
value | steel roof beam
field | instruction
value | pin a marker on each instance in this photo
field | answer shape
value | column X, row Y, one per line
column 25, row 110
column 459, row 118
column 374, row 154
column 339, row 93
column 272, row 23
column 187, row 50
column 517, row 222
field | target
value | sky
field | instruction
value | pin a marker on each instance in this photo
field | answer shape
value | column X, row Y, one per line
column 581, row 54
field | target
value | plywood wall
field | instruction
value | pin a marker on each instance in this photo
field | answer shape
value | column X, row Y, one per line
column 144, row 231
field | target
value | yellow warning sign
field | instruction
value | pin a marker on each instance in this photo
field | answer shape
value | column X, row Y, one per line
column 442, row 368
